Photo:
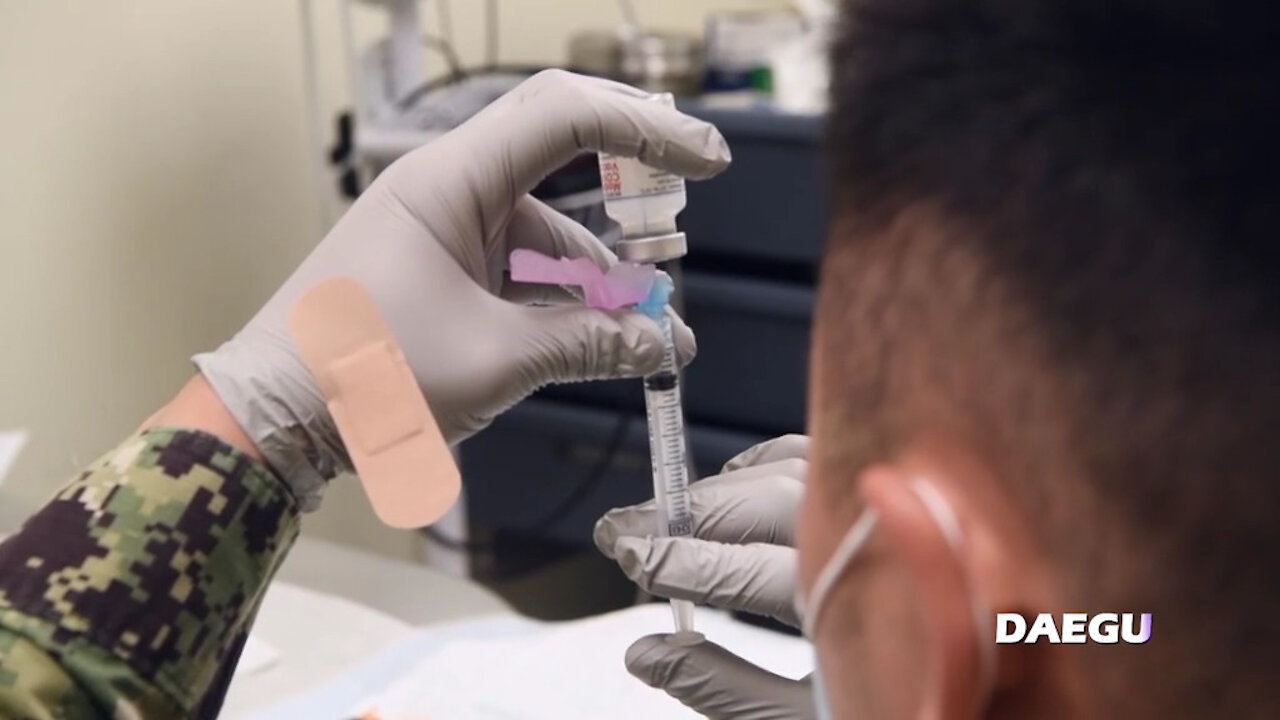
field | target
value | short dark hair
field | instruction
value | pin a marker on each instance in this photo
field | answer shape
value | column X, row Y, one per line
column 1054, row 234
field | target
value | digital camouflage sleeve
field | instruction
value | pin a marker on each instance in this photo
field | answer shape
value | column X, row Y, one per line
column 130, row 594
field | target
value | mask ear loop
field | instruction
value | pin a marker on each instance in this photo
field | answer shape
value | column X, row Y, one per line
column 834, row 569
column 943, row 514
column 945, row 518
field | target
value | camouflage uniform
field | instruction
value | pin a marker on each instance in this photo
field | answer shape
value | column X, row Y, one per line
column 130, row 594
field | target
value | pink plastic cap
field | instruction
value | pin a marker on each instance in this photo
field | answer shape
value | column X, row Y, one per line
column 623, row 285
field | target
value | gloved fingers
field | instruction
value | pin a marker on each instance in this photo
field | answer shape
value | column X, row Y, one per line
column 538, row 294
column 683, row 338
column 572, row 344
column 779, row 448
column 717, row 683
column 555, row 115
column 756, row 578
column 753, row 504
column 535, row 226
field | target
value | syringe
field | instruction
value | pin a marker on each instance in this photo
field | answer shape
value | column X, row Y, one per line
column 667, row 441
column 645, row 201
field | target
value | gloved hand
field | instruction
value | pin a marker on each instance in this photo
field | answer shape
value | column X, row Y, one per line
column 740, row 558
column 429, row 241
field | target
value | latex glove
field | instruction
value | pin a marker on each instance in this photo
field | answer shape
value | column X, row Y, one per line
column 741, row 557
column 429, row 241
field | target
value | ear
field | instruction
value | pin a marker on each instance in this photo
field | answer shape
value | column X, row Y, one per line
column 956, row 686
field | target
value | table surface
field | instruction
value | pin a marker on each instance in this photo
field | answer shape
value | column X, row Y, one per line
column 414, row 594
column 335, row 607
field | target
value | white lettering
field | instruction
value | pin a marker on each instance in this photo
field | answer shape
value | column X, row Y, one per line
column 1073, row 627
column 1004, row 634
column 1043, row 627
column 1104, row 628
column 1126, row 629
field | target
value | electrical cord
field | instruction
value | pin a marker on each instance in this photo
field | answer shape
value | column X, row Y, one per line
column 450, row 55
column 444, row 16
column 491, row 34
column 315, row 136
column 562, row 509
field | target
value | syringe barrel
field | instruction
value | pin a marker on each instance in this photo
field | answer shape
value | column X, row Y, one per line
column 667, row 441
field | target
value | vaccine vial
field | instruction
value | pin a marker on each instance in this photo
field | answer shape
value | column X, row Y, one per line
column 644, row 201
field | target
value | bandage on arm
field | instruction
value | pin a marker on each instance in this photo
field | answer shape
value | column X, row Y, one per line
column 389, row 432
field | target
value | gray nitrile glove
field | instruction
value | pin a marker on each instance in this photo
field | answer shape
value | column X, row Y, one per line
column 429, row 241
column 740, row 558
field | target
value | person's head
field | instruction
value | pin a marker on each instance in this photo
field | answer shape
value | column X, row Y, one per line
column 1051, row 293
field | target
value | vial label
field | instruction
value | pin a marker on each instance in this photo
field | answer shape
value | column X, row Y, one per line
column 622, row 178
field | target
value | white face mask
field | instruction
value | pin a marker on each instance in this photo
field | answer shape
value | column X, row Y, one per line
column 855, row 539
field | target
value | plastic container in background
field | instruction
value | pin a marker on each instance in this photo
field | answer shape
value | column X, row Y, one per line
column 652, row 60
column 799, row 67
column 596, row 52
column 738, row 45
column 800, row 75
column 663, row 62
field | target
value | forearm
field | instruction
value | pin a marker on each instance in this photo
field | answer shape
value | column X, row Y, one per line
column 135, row 586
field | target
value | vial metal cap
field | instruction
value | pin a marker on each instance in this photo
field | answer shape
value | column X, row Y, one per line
column 655, row 249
